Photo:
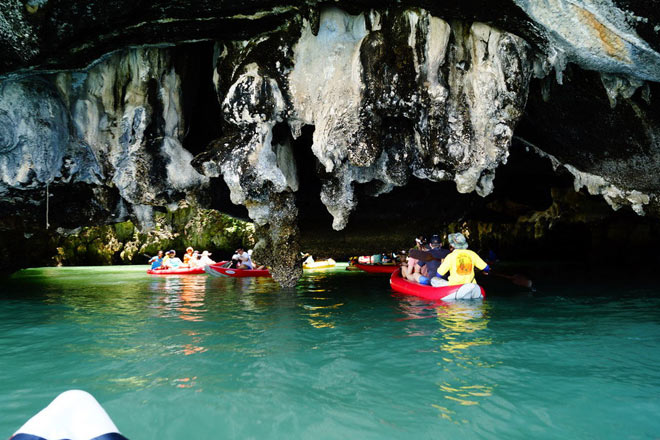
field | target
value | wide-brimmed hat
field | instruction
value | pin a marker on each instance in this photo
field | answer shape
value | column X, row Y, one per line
column 189, row 249
column 457, row 241
column 206, row 253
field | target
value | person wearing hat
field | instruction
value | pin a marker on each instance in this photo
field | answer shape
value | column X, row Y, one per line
column 188, row 255
column 431, row 267
column 460, row 263
column 205, row 259
column 174, row 262
column 244, row 259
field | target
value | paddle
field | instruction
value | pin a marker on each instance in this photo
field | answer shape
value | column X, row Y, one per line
column 516, row 279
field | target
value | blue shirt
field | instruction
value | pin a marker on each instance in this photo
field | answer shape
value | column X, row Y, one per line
column 156, row 262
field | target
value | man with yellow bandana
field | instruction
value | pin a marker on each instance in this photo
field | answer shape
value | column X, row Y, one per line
column 460, row 263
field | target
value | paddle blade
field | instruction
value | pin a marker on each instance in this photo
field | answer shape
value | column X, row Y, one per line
column 517, row 279
column 520, row 280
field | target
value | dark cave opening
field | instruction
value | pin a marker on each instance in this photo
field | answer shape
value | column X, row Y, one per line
column 220, row 200
column 311, row 211
column 203, row 117
column 533, row 214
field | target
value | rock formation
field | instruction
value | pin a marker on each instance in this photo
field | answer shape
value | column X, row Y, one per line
column 315, row 104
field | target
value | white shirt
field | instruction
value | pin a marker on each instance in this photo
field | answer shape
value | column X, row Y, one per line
column 205, row 260
column 245, row 258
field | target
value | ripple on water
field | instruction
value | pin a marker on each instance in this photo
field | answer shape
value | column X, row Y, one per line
column 337, row 357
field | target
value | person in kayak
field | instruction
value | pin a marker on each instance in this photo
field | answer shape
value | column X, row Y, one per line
column 166, row 259
column 156, row 261
column 439, row 253
column 431, row 267
column 460, row 263
column 411, row 269
column 188, row 255
column 244, row 259
column 420, row 242
column 205, row 260
column 193, row 262
column 173, row 262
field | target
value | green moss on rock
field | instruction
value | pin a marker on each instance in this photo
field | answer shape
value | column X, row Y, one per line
column 124, row 243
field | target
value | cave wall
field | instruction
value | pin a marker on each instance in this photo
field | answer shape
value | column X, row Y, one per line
column 302, row 113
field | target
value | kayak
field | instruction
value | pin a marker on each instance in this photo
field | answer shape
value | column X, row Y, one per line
column 74, row 414
column 445, row 293
column 219, row 271
column 323, row 264
column 183, row 271
column 377, row 268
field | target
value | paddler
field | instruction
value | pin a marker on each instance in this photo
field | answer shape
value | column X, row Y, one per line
column 431, row 266
column 173, row 261
column 460, row 263
column 205, row 259
column 244, row 259
column 166, row 259
column 156, row 261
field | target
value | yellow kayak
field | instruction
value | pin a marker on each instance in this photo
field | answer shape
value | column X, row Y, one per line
column 323, row 264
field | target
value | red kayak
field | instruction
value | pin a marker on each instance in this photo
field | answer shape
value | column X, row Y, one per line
column 377, row 268
column 461, row 291
column 183, row 271
column 219, row 271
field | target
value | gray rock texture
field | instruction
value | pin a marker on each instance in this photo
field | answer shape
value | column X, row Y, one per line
column 99, row 103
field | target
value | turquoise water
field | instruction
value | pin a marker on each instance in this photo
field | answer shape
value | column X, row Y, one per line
column 338, row 357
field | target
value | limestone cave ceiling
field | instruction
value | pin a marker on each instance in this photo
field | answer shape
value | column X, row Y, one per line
column 117, row 108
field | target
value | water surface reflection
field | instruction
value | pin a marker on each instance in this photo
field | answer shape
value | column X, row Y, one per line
column 462, row 331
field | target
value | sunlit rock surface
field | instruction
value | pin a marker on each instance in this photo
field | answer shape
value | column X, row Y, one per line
column 317, row 109
column 388, row 96
column 116, row 127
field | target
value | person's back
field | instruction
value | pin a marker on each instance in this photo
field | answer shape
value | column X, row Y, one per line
column 439, row 254
column 205, row 260
column 460, row 263
column 432, row 266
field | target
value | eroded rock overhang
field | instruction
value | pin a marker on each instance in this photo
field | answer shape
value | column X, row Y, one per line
column 391, row 94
